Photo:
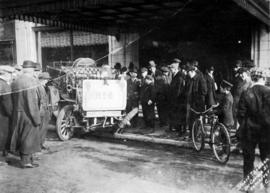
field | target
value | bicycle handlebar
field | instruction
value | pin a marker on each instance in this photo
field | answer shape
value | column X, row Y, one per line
column 206, row 111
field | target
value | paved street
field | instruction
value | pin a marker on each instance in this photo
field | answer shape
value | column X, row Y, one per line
column 98, row 165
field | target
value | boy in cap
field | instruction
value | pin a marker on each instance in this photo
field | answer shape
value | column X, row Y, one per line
column 153, row 71
column 132, row 94
column 147, row 98
column 225, row 108
column 144, row 73
column 253, row 115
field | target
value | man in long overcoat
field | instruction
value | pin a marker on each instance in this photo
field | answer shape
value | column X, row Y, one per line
column 177, row 98
column 26, row 115
column 5, row 108
column 162, row 86
column 196, row 91
column 211, row 98
column 253, row 115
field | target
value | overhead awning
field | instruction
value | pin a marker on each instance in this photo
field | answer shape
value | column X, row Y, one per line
column 114, row 16
column 258, row 8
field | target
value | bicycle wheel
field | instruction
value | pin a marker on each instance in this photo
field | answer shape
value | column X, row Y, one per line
column 197, row 135
column 221, row 143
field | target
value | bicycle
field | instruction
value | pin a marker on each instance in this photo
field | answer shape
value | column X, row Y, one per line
column 207, row 129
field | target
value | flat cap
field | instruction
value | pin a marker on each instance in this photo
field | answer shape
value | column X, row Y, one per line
column 226, row 84
column 242, row 70
column 29, row 64
column 174, row 65
column 143, row 69
column 149, row 77
column 152, row 63
column 165, row 69
column 176, row 60
column 44, row 75
column 257, row 73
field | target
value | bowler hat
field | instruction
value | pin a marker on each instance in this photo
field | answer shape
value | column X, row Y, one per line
column 28, row 64
column 117, row 66
column 134, row 70
column 44, row 75
column 190, row 68
column 210, row 68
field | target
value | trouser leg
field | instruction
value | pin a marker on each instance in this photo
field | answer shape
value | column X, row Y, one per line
column 249, row 157
column 264, row 154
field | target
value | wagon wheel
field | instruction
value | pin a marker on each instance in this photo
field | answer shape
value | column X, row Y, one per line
column 64, row 123
column 197, row 135
column 221, row 143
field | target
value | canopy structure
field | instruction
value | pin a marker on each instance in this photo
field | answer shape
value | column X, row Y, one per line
column 114, row 16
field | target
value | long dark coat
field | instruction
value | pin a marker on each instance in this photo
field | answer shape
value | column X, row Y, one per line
column 26, row 115
column 147, row 93
column 177, row 99
column 132, row 94
column 5, row 114
column 196, row 91
column 253, row 114
column 211, row 98
column 162, row 86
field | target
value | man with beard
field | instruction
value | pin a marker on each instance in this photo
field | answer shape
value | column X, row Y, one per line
column 176, row 98
column 5, row 107
column 26, row 115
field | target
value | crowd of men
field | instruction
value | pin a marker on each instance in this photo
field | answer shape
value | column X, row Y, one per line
column 174, row 89
column 177, row 88
column 24, row 111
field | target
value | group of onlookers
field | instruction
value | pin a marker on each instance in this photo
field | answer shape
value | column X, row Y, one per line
column 24, row 111
column 177, row 88
column 174, row 89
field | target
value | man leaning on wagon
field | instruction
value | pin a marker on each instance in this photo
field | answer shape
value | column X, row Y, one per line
column 26, row 117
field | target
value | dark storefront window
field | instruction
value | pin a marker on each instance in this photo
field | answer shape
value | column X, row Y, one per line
column 7, row 53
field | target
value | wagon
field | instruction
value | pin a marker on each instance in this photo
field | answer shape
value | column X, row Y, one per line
column 90, row 98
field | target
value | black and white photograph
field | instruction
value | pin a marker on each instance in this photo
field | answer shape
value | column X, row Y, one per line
column 134, row 96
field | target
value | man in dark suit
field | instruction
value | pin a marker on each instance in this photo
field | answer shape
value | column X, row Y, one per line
column 162, row 96
column 196, row 91
column 177, row 98
column 5, row 107
column 211, row 98
column 26, row 116
column 253, row 115
column 133, row 94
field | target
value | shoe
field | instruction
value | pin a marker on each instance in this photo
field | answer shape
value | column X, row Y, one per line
column 45, row 148
column 29, row 165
